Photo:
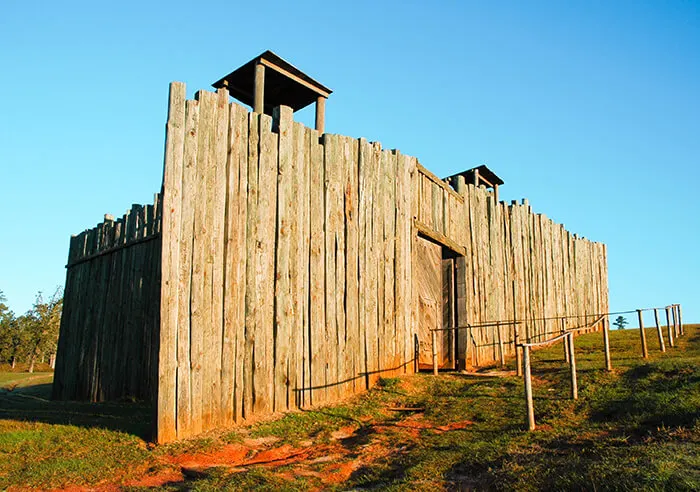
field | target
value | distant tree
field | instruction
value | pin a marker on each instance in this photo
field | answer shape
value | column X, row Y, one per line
column 40, row 327
column 620, row 322
column 9, row 333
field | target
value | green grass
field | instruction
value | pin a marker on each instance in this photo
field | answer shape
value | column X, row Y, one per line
column 636, row 428
column 46, row 444
column 11, row 380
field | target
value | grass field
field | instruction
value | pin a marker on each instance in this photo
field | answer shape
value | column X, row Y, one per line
column 637, row 428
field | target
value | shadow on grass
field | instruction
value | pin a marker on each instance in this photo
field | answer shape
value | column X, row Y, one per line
column 33, row 404
column 663, row 393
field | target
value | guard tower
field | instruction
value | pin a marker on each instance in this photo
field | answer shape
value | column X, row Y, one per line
column 268, row 81
column 480, row 175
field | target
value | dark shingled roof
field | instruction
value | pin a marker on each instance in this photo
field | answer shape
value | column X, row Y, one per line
column 284, row 84
column 486, row 176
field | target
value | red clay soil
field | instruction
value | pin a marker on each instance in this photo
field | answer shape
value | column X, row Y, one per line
column 337, row 459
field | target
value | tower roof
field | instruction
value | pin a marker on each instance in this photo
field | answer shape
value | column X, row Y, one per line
column 285, row 84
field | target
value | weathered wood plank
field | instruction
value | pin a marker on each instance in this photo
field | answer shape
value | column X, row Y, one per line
column 189, row 177
column 167, row 399
column 234, row 265
column 200, row 309
column 265, row 281
column 284, row 310
column 317, row 264
column 251, row 293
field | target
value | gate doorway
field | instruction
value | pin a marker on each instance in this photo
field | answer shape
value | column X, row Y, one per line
column 436, row 284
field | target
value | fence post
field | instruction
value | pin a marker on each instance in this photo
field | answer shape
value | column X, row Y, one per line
column 501, row 353
column 675, row 320
column 645, row 353
column 606, row 343
column 680, row 322
column 572, row 365
column 566, row 344
column 516, row 335
column 518, row 361
column 467, row 346
column 668, row 326
column 528, row 389
column 435, row 354
column 662, row 345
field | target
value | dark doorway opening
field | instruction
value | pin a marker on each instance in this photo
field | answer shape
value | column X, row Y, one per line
column 439, row 293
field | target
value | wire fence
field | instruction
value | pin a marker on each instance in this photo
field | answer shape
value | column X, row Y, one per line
column 566, row 335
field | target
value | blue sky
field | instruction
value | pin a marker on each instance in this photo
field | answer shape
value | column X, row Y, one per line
column 590, row 109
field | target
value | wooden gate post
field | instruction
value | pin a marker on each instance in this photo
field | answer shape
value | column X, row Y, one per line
column 516, row 336
column 662, row 345
column 528, row 389
column 606, row 343
column 566, row 345
column 645, row 353
column 680, row 322
column 668, row 327
column 572, row 366
column 518, row 361
column 435, row 354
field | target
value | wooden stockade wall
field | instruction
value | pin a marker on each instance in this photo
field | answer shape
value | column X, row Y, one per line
column 287, row 260
column 280, row 255
column 108, row 345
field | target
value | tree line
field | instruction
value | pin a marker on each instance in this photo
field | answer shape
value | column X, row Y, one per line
column 33, row 336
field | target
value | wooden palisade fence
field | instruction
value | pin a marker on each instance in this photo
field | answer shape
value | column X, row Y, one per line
column 108, row 344
column 288, row 261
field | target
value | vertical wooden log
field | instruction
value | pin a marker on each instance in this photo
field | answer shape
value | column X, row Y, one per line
column 676, row 331
column 184, row 407
column 528, row 389
column 668, row 327
column 501, row 352
column 433, row 334
column 645, row 353
column 165, row 421
column 284, row 309
column 680, row 320
column 251, row 250
column 662, row 345
column 572, row 366
column 259, row 97
column 218, row 228
column 516, row 336
column 566, row 348
column 606, row 343
column 320, row 114
column 267, row 225
column 317, row 279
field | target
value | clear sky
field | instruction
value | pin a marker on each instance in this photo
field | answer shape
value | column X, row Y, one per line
column 589, row 109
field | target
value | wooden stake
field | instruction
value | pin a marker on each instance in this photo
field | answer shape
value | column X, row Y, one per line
column 662, row 346
column 435, row 354
column 501, row 353
column 572, row 365
column 259, row 97
column 566, row 347
column 680, row 322
column 516, row 337
column 675, row 320
column 528, row 389
column 668, row 326
column 606, row 343
column 320, row 114
column 645, row 353
column 676, row 332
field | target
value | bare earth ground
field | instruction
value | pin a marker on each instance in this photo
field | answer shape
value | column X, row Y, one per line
column 637, row 428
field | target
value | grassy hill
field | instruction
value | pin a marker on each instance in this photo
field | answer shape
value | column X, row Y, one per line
column 637, row 428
